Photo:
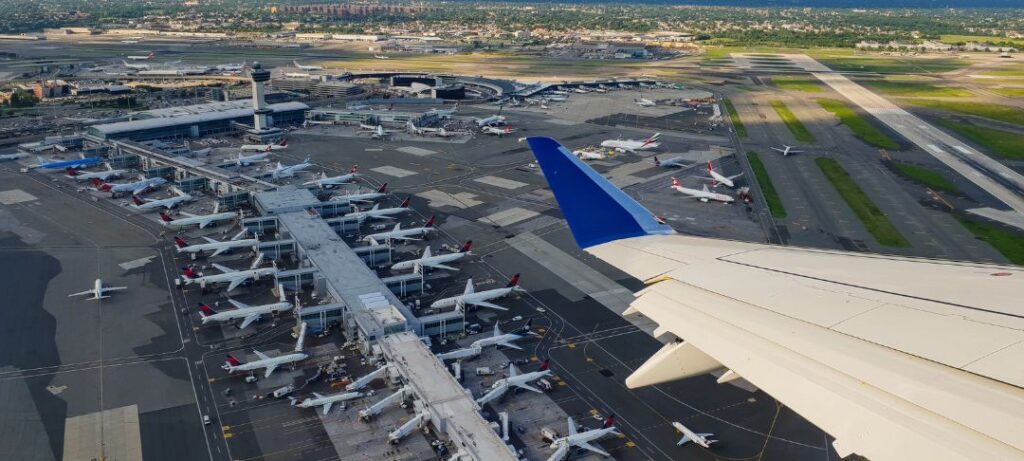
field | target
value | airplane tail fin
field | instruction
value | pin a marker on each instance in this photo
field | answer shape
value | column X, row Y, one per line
column 675, row 182
column 430, row 222
column 405, row 203
column 513, row 282
column 710, row 168
column 179, row 242
column 232, row 361
column 543, row 365
column 284, row 143
column 136, row 200
column 354, row 170
column 466, row 246
column 383, row 189
column 188, row 273
column 609, row 421
column 597, row 211
column 71, row 172
column 656, row 161
column 165, row 218
column 205, row 311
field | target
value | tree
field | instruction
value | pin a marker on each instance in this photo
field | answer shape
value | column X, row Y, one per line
column 22, row 98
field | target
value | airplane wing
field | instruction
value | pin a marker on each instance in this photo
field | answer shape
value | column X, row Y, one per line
column 235, row 284
column 897, row 358
column 440, row 266
column 592, row 448
column 261, row 355
column 486, row 304
column 270, row 370
column 190, row 215
column 204, row 222
column 223, row 269
column 683, row 441
column 106, row 289
column 560, row 453
column 327, row 407
column 219, row 251
column 210, row 240
column 238, row 304
column 529, row 388
column 82, row 293
column 508, row 344
column 248, row 320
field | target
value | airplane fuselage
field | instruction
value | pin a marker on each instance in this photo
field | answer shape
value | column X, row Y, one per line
column 246, row 274
column 236, row 314
column 399, row 234
column 270, row 362
column 704, row 196
column 229, row 244
column 181, row 223
column 485, row 295
column 438, row 259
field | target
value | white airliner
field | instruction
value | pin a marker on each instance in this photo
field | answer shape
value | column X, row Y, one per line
column 563, row 445
column 501, row 339
column 326, row 401
column 267, row 362
column 105, row 175
column 134, row 66
column 134, row 188
column 148, row 57
column 644, row 102
column 362, row 197
column 232, row 277
column 326, row 182
column 896, row 358
column 217, row 247
column 381, row 56
column 264, row 148
column 718, row 178
column 499, row 132
column 514, row 379
column 703, row 194
column 14, row 156
column 433, row 261
column 230, row 67
column 165, row 203
column 375, row 132
column 287, row 171
column 490, row 121
column 592, row 153
column 690, row 436
column 674, row 162
column 479, row 298
column 196, row 220
column 413, row 233
column 632, row 145
column 307, row 67
column 442, row 113
column 246, row 160
column 98, row 291
column 381, row 213
column 786, row 150
column 247, row 313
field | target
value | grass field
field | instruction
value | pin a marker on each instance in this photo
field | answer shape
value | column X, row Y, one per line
column 771, row 196
column 1008, row 242
column 874, row 220
column 998, row 112
column 741, row 130
column 1004, row 144
column 795, row 126
column 797, row 83
column 860, row 127
column 893, row 65
column 927, row 177
column 1013, row 70
column 979, row 39
column 1009, row 92
column 915, row 89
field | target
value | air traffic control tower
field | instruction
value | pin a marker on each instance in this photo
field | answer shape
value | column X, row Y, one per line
column 263, row 130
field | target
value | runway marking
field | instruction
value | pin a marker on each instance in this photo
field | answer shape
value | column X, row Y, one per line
column 393, row 171
column 13, row 196
column 136, row 263
column 439, row 199
column 417, row 151
column 500, row 182
column 509, row 216
column 374, row 149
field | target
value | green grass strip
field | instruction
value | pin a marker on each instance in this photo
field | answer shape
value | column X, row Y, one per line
column 797, row 83
column 927, row 177
column 860, row 127
column 998, row 112
column 795, row 126
column 771, row 196
column 1004, row 240
column 874, row 220
column 737, row 124
column 1004, row 144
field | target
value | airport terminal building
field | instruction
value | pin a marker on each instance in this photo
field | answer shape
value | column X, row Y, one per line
column 194, row 121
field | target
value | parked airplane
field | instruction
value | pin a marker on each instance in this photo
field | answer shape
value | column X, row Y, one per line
column 479, row 298
column 380, row 213
column 490, row 121
column 362, row 197
column 134, row 66
column 330, row 181
column 230, row 67
column 690, row 436
column 267, row 362
column 644, row 102
column 718, row 178
column 499, row 132
column 522, row 380
column 135, row 187
column 98, row 291
column 789, row 334
column 307, row 67
column 674, row 162
column 703, row 195
column 326, row 401
column 434, row 261
column 591, row 153
column 502, row 339
column 232, row 277
column 14, row 156
column 246, row 160
column 282, row 171
column 216, row 246
column 375, row 132
column 165, row 203
column 80, row 162
column 401, row 234
column 110, row 172
column 786, row 150
column 632, row 145
column 263, row 147
column 381, row 56
column 247, row 313
column 148, row 57
column 442, row 113
column 196, row 220
column 563, row 445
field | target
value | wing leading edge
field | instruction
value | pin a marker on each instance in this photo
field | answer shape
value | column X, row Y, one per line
column 898, row 358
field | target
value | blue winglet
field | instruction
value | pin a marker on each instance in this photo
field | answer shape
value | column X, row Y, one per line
column 597, row 211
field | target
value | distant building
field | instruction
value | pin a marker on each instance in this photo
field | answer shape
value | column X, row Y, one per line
column 50, row 89
column 194, row 121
